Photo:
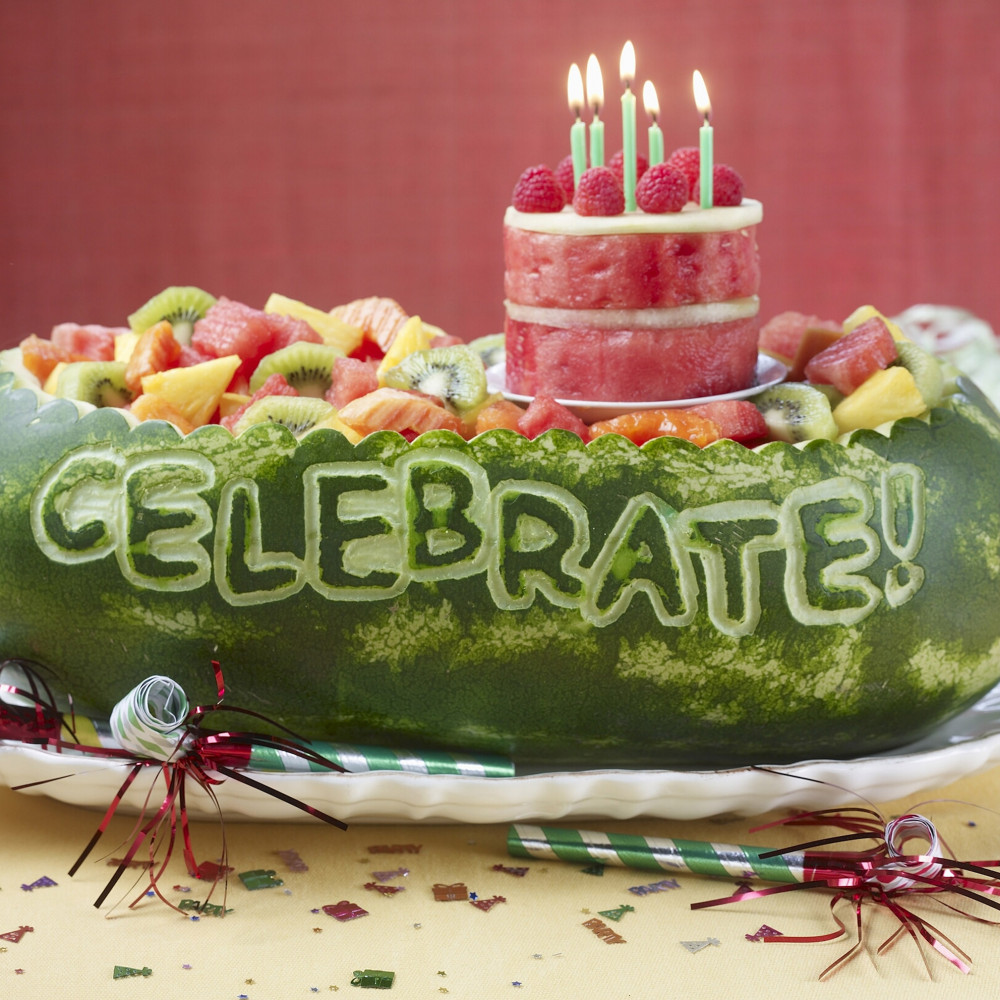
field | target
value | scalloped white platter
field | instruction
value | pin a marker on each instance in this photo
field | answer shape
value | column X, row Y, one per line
column 966, row 745
column 769, row 372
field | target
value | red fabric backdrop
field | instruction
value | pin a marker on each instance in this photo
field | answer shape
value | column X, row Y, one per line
column 330, row 150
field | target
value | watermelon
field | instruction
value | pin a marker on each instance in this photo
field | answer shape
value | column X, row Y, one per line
column 568, row 604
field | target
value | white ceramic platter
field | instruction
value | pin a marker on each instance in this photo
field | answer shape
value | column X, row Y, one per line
column 966, row 745
column 769, row 372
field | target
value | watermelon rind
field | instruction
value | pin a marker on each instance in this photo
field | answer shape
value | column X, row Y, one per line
column 562, row 603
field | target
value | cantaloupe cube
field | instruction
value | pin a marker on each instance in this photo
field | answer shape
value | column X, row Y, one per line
column 413, row 336
column 332, row 329
column 890, row 394
column 194, row 391
column 864, row 313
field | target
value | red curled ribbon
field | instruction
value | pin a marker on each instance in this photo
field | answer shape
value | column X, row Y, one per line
column 202, row 755
column 881, row 875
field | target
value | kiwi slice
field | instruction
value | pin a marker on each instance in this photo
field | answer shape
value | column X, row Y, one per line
column 925, row 369
column 453, row 374
column 100, row 383
column 492, row 348
column 180, row 305
column 298, row 413
column 795, row 411
column 306, row 366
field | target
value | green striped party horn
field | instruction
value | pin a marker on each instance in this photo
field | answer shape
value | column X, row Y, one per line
column 149, row 720
column 626, row 850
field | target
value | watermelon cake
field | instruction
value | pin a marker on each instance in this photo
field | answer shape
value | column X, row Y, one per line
column 603, row 304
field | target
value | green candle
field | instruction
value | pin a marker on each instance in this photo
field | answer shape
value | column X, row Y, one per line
column 627, row 72
column 704, row 139
column 652, row 105
column 578, row 131
column 595, row 98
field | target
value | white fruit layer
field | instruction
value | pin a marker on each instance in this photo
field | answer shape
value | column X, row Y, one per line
column 697, row 314
column 690, row 219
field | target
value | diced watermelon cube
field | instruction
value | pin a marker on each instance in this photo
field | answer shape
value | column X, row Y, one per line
column 231, row 327
column 95, row 342
column 350, row 379
column 854, row 358
column 737, row 419
column 544, row 413
column 781, row 334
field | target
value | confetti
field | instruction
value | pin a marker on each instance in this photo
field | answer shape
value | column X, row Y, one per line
column 39, row 884
column 260, row 878
column 390, row 875
column 209, row 909
column 618, row 913
column 182, row 888
column 448, row 893
column 601, row 929
column 762, row 932
column 345, row 910
column 124, row 971
column 519, row 872
column 16, row 936
column 395, row 849
column 293, row 861
column 209, row 871
column 386, row 890
column 662, row 886
column 696, row 946
column 375, row 979
column 487, row 904
column 593, row 870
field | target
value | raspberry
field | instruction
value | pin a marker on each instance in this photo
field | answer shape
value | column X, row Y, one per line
column 687, row 160
column 566, row 176
column 663, row 188
column 599, row 193
column 727, row 186
column 616, row 163
column 537, row 190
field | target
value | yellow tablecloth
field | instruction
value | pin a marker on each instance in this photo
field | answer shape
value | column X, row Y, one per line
column 279, row 943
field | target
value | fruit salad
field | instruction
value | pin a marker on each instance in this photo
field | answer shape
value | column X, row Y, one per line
column 190, row 358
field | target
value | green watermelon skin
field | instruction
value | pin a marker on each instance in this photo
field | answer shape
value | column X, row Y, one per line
column 567, row 605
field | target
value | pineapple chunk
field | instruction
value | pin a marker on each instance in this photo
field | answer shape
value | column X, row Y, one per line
column 125, row 345
column 231, row 402
column 52, row 382
column 195, row 391
column 337, row 424
column 332, row 329
column 413, row 336
column 864, row 313
column 890, row 394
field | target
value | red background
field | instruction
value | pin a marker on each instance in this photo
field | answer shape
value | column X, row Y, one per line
column 330, row 150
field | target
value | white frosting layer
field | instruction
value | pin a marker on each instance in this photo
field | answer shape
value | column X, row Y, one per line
column 690, row 219
column 696, row 314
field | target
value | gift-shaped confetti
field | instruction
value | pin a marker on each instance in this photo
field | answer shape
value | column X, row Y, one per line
column 260, row 878
column 448, row 893
column 345, row 910
column 375, row 979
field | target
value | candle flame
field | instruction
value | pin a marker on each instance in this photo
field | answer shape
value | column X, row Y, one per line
column 595, row 84
column 701, row 100
column 650, row 101
column 626, row 65
column 574, row 90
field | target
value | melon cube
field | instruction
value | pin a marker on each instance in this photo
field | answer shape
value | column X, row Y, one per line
column 889, row 394
column 853, row 358
column 196, row 391
column 332, row 329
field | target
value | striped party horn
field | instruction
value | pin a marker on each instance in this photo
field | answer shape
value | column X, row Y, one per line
column 626, row 850
column 149, row 720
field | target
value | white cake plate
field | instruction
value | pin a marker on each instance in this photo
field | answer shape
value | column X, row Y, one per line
column 966, row 745
column 769, row 372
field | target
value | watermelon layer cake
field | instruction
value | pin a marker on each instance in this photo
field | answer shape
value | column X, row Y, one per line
column 631, row 306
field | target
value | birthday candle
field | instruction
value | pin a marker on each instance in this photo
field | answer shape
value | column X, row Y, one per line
column 705, row 139
column 626, row 67
column 595, row 98
column 652, row 105
column 578, row 131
